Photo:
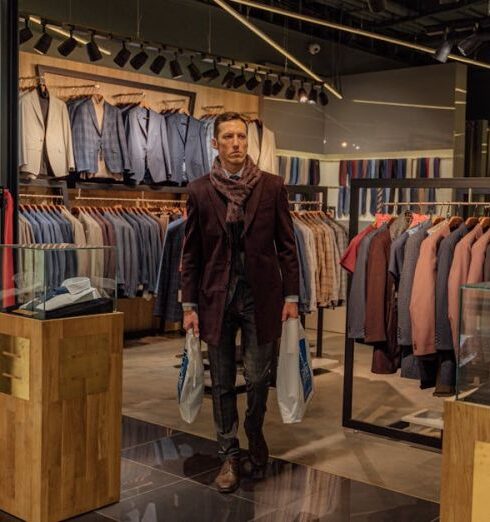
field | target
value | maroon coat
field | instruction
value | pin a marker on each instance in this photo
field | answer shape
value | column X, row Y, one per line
column 270, row 251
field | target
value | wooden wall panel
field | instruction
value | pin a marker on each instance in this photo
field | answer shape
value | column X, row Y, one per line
column 231, row 100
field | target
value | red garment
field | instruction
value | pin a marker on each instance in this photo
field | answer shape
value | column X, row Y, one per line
column 8, row 255
column 349, row 258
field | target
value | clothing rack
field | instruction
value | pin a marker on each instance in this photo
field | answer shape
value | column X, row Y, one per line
column 41, row 196
column 464, row 189
column 48, row 184
column 313, row 190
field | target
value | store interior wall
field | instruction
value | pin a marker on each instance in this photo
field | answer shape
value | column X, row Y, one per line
column 373, row 127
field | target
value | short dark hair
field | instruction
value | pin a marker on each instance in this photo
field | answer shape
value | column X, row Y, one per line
column 227, row 116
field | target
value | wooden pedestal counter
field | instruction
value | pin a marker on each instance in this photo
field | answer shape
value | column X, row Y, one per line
column 60, row 415
column 465, row 486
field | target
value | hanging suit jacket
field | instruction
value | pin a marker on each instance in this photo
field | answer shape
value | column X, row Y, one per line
column 33, row 132
column 271, row 261
column 262, row 148
column 89, row 139
column 148, row 144
column 187, row 140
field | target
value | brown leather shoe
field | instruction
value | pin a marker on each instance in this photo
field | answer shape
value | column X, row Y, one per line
column 228, row 479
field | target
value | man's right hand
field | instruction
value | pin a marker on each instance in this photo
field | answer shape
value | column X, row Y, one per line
column 191, row 322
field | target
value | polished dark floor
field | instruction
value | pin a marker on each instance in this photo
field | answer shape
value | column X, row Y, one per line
column 168, row 476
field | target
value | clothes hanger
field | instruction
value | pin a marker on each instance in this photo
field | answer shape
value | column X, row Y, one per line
column 471, row 222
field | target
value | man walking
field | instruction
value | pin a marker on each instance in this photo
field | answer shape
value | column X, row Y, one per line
column 239, row 272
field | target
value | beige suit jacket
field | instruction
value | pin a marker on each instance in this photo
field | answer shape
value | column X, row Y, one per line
column 32, row 134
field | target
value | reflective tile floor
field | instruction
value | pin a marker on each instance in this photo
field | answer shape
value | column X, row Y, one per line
column 168, row 476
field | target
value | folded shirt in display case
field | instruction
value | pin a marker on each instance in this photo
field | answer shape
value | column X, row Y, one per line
column 31, row 285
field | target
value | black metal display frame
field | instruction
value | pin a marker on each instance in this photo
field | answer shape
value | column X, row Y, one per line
column 460, row 186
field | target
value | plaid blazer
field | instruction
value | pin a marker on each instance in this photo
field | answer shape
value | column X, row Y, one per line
column 89, row 140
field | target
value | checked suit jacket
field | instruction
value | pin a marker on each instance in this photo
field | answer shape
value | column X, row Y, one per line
column 89, row 139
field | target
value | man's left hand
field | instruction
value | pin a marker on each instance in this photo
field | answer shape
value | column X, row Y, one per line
column 290, row 311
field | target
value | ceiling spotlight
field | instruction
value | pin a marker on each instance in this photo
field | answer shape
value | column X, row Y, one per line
column 158, row 64
column 122, row 56
column 313, row 96
column 240, row 80
column 290, row 91
column 176, row 69
column 472, row 43
column 194, row 70
column 344, row 144
column 323, row 98
column 93, row 51
column 44, row 43
column 228, row 78
column 211, row 74
column 302, row 96
column 443, row 51
column 267, row 87
column 253, row 82
column 138, row 60
column 67, row 46
column 25, row 34
column 277, row 87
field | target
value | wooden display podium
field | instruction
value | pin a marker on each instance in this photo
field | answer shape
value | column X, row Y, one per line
column 60, row 415
column 465, row 486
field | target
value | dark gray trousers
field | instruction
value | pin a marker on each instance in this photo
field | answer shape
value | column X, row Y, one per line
column 257, row 361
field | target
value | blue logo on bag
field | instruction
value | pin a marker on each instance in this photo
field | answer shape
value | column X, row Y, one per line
column 182, row 374
column 304, row 370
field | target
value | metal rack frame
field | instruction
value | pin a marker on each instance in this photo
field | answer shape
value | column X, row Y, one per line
column 462, row 188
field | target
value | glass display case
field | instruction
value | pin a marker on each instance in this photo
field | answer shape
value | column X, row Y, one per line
column 473, row 352
column 50, row 281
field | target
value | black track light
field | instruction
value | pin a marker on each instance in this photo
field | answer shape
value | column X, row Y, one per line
column 302, row 96
column 175, row 68
column 93, row 51
column 211, row 74
column 228, row 78
column 158, row 64
column 313, row 96
column 290, row 91
column 122, row 57
column 239, row 80
column 194, row 71
column 277, row 87
column 253, row 82
column 472, row 43
column 267, row 87
column 25, row 34
column 44, row 43
column 323, row 98
column 67, row 46
column 138, row 60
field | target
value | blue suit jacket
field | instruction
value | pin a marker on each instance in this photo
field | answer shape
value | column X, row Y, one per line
column 89, row 139
column 188, row 146
column 148, row 144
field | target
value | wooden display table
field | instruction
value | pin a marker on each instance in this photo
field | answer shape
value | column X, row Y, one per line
column 465, row 487
column 60, row 415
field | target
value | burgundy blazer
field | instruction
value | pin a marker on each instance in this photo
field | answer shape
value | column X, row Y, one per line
column 271, row 262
